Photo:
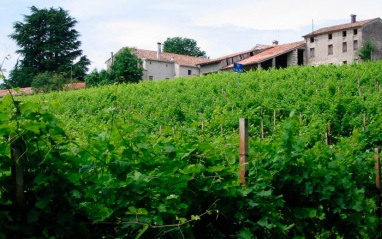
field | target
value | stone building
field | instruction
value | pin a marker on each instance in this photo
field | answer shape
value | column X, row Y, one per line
column 159, row 65
column 340, row 44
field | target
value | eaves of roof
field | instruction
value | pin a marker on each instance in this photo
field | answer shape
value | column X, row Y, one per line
column 269, row 53
column 340, row 27
column 235, row 54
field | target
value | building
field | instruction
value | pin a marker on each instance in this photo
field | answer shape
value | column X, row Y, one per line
column 340, row 44
column 277, row 56
column 216, row 65
column 159, row 65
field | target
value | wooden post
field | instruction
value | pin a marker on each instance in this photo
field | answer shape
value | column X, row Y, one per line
column 358, row 81
column 274, row 118
column 360, row 91
column 300, row 118
column 378, row 181
column 262, row 129
column 160, row 129
column 243, row 134
column 202, row 124
column 328, row 136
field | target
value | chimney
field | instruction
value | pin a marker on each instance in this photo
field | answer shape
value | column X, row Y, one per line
column 112, row 57
column 159, row 50
column 353, row 18
column 275, row 43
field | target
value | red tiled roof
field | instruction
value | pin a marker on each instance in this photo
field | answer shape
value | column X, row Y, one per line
column 29, row 90
column 166, row 56
column 269, row 53
column 340, row 27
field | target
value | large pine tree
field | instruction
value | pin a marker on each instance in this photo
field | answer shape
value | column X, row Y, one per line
column 48, row 43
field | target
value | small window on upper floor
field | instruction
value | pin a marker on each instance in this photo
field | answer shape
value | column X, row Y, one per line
column 344, row 33
column 355, row 31
column 151, row 78
column 312, row 39
column 189, row 72
column 251, row 53
column 330, row 36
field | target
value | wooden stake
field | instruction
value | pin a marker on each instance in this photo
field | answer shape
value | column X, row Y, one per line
column 274, row 118
column 202, row 124
column 328, row 136
column 243, row 160
column 360, row 91
column 364, row 122
column 262, row 129
column 160, row 129
column 378, row 181
column 300, row 118
column 358, row 81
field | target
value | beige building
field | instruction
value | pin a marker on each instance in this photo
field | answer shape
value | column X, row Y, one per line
column 340, row 44
column 159, row 65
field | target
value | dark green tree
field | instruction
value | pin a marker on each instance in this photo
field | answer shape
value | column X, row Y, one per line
column 48, row 42
column 366, row 51
column 184, row 46
column 127, row 67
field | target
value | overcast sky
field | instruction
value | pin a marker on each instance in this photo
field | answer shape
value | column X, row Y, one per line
column 220, row 27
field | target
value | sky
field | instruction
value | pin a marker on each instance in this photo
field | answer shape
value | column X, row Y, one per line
column 220, row 27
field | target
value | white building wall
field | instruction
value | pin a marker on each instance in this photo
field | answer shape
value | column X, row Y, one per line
column 158, row 70
column 184, row 71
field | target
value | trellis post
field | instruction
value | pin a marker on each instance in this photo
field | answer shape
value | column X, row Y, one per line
column 243, row 133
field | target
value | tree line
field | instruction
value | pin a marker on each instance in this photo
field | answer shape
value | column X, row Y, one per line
column 50, row 54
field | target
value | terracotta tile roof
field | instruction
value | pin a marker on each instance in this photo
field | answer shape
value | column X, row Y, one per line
column 269, row 53
column 340, row 27
column 29, row 90
column 24, row 91
column 235, row 54
column 166, row 56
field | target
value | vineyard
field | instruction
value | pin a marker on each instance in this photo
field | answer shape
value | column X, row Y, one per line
column 161, row 159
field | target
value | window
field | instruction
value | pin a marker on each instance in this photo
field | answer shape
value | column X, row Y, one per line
column 189, row 72
column 355, row 45
column 151, row 77
column 344, row 33
column 344, row 47
column 312, row 39
column 344, row 62
column 330, row 36
column 150, row 62
column 330, row 50
column 311, row 52
column 355, row 31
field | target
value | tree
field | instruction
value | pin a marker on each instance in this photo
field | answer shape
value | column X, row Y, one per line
column 48, row 43
column 366, row 51
column 47, row 82
column 127, row 67
column 184, row 46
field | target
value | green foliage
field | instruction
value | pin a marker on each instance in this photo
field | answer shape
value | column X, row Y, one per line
column 366, row 51
column 48, row 42
column 184, row 46
column 97, row 165
column 47, row 82
column 127, row 67
column 96, row 78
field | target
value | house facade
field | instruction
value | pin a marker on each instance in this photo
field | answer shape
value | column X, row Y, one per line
column 159, row 65
column 340, row 44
